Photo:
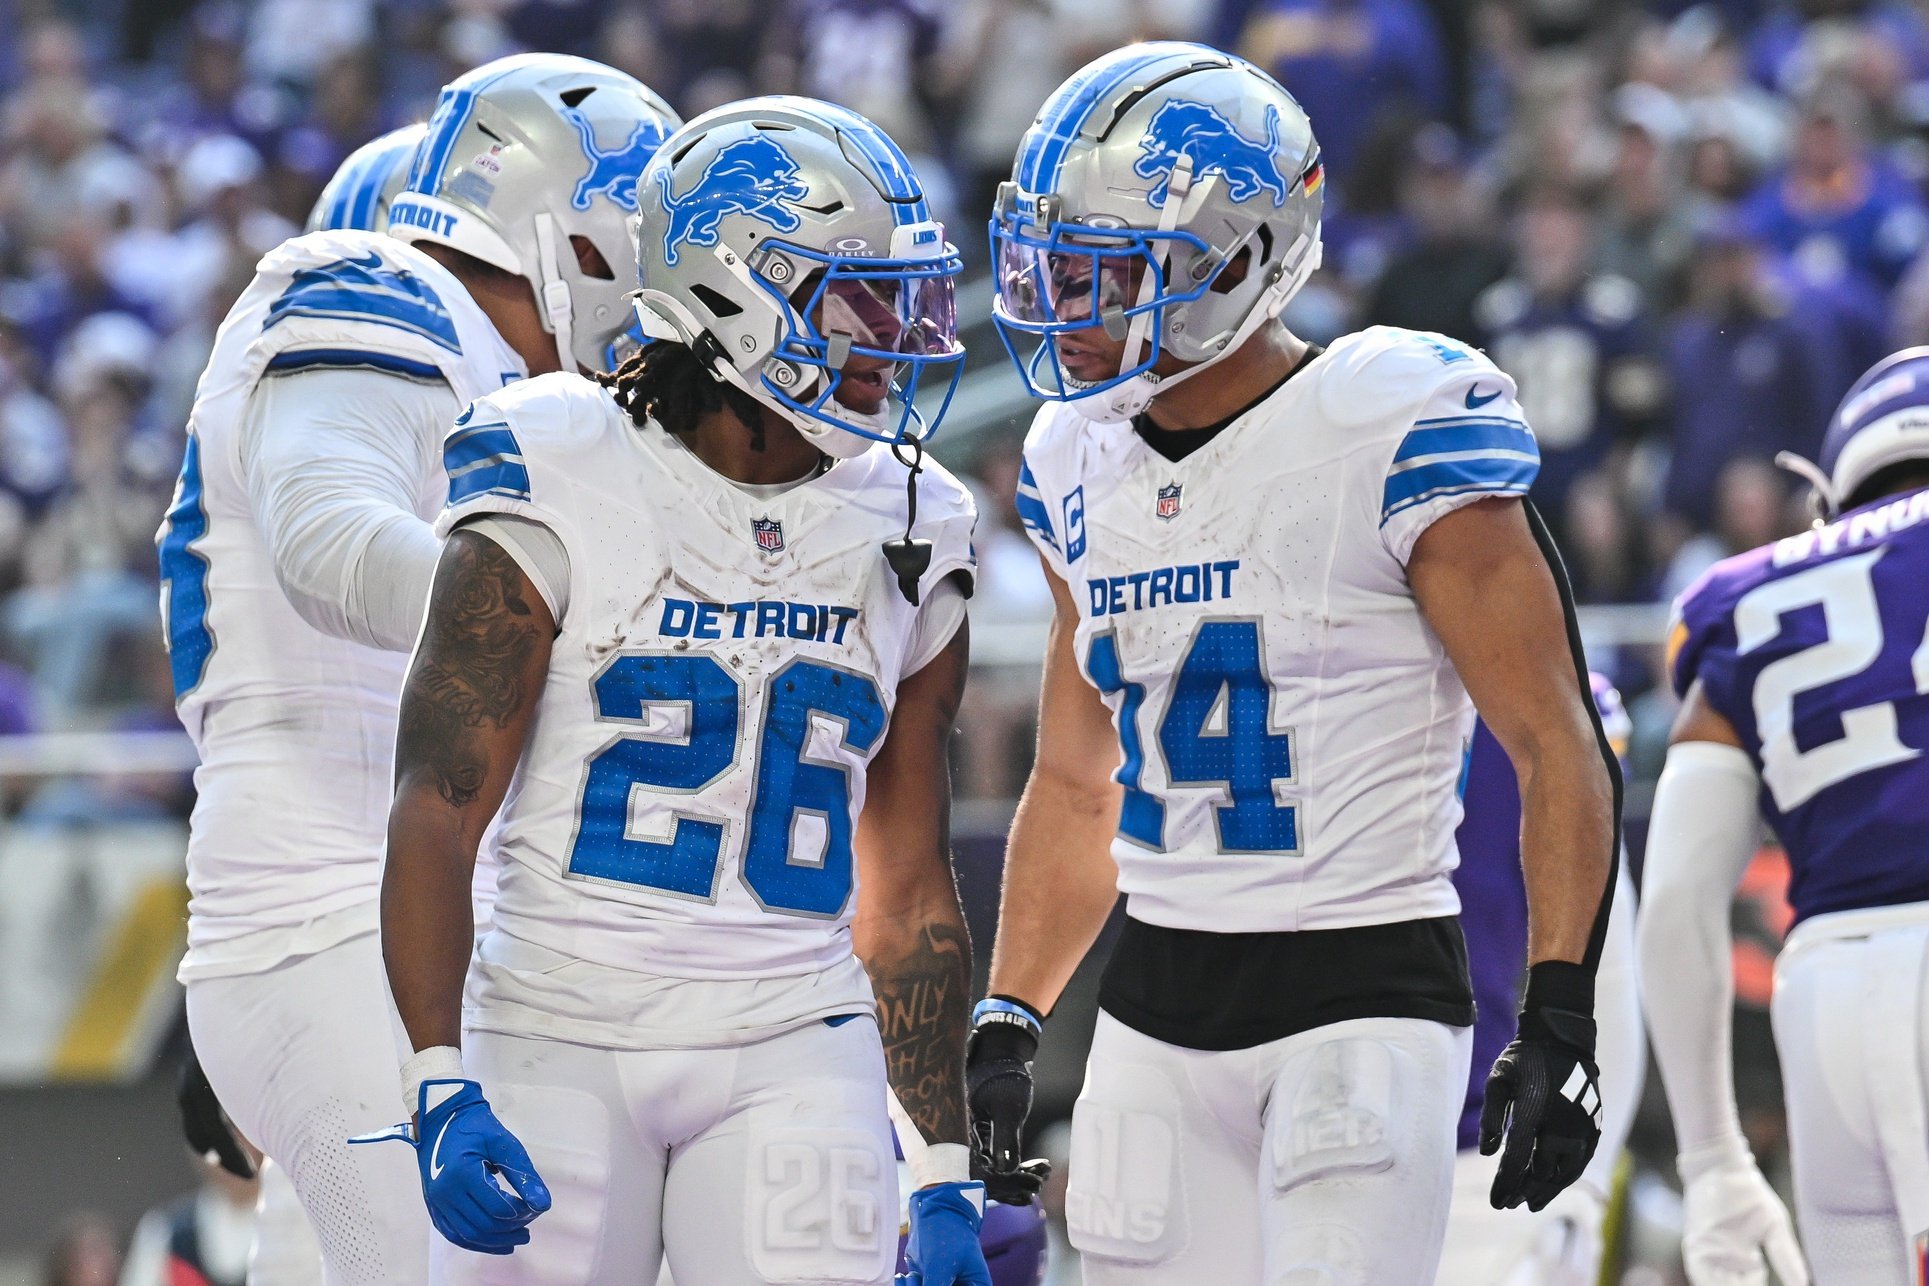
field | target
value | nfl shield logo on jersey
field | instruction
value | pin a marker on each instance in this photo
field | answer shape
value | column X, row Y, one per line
column 769, row 534
column 1168, row 506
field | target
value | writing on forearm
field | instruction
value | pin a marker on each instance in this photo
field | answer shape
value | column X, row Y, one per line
column 470, row 672
column 922, row 1007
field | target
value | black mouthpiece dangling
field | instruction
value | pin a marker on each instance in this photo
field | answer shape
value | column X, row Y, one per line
column 908, row 555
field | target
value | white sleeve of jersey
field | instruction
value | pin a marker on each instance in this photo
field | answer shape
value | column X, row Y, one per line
column 338, row 465
column 1047, row 517
column 1469, row 441
column 942, row 612
column 536, row 549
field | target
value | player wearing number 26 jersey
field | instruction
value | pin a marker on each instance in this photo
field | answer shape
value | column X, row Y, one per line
column 1804, row 670
column 686, row 624
column 1277, row 585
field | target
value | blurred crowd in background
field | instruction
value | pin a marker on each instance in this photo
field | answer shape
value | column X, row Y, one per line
column 1684, row 229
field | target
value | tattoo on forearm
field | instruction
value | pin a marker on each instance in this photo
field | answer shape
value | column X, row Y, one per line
column 469, row 672
column 921, row 1011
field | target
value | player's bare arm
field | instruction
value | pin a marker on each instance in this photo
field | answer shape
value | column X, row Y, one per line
column 1487, row 591
column 1060, row 880
column 465, row 713
column 909, row 929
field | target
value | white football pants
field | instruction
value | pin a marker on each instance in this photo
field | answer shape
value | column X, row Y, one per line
column 1560, row 1246
column 302, row 1056
column 1324, row 1159
column 285, row 1251
column 1849, row 1006
column 762, row 1163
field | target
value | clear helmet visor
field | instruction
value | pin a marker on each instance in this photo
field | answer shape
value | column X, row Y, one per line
column 1072, row 284
column 883, row 337
column 1054, row 282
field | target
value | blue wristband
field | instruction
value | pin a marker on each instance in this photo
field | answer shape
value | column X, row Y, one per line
column 996, row 1010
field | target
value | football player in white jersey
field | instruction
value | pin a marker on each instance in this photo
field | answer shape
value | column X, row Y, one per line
column 685, row 622
column 1277, row 586
column 296, row 559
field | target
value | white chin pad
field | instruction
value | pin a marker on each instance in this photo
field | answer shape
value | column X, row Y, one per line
column 836, row 443
column 1119, row 403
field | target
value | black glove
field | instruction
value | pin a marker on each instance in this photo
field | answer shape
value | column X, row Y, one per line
column 205, row 1124
column 1004, row 1037
column 1544, row 1094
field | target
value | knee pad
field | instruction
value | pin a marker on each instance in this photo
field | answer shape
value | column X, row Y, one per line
column 1124, row 1200
column 820, row 1206
column 1334, row 1110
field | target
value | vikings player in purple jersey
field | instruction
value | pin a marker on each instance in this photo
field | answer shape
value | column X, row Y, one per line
column 1804, row 672
column 1561, row 1245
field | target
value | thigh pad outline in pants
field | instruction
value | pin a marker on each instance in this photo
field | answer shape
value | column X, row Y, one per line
column 1357, row 1174
column 603, row 1221
column 795, row 1182
column 1125, row 1199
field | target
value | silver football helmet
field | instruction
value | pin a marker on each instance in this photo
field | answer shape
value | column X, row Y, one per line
column 521, row 155
column 359, row 195
column 1141, row 180
column 788, row 242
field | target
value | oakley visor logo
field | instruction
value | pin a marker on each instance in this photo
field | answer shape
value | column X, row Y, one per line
column 1181, row 128
column 752, row 177
column 613, row 174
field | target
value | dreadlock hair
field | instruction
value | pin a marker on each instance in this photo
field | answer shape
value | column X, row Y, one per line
column 667, row 382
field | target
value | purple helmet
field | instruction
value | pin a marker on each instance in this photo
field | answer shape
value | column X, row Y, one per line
column 1014, row 1242
column 1883, row 421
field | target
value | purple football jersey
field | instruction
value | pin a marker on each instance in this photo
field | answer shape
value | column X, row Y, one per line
column 1493, row 892
column 1814, row 649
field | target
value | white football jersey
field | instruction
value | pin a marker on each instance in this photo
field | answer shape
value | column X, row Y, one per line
column 296, row 727
column 724, row 672
column 1293, row 732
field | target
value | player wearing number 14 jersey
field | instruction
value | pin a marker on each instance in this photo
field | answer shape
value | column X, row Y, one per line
column 1279, row 572
column 1804, row 672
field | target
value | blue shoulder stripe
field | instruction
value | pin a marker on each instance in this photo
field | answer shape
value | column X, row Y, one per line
column 301, row 359
column 1031, row 507
column 366, row 289
column 1451, row 475
column 484, row 459
column 1431, row 437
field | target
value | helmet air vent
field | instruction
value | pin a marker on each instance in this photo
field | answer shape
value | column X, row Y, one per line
column 719, row 304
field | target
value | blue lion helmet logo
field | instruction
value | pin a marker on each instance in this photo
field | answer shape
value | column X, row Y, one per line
column 613, row 174
column 752, row 176
column 1184, row 128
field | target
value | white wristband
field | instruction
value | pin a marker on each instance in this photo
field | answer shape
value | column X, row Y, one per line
column 928, row 1163
column 436, row 1063
column 940, row 1163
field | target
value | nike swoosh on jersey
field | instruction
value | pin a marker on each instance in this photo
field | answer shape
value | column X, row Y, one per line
column 435, row 1167
column 1475, row 402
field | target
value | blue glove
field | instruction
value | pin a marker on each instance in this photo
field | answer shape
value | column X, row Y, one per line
column 943, row 1247
column 481, row 1189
